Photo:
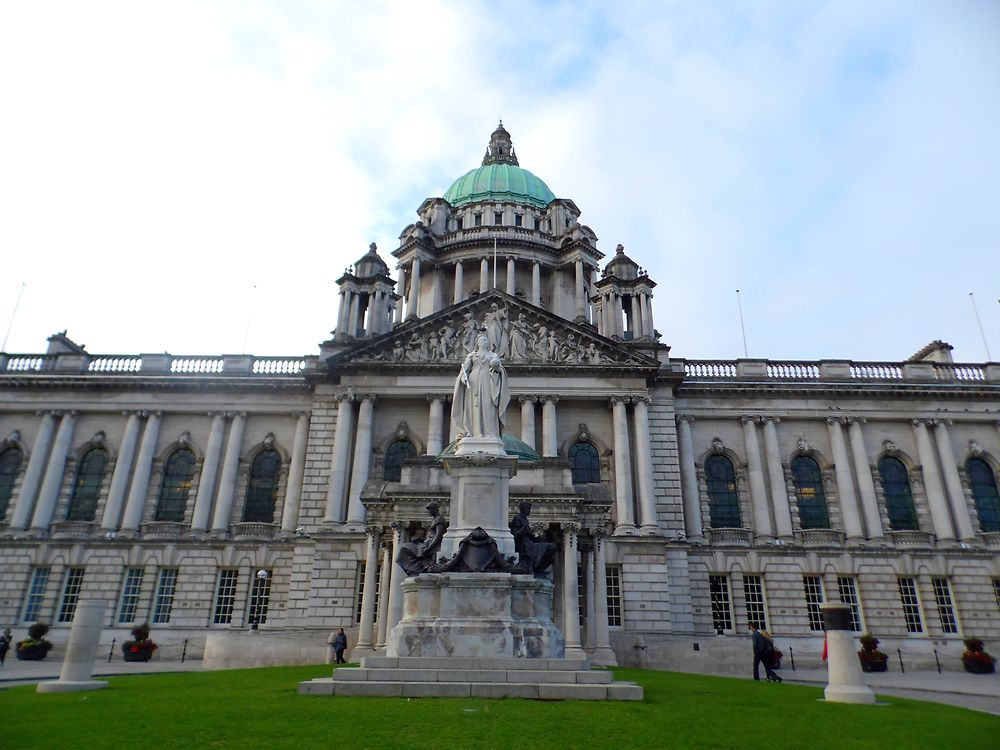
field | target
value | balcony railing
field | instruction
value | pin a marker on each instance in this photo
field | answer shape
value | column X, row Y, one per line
column 821, row 537
column 841, row 371
column 111, row 365
column 731, row 537
column 163, row 530
column 73, row 529
column 254, row 530
column 912, row 538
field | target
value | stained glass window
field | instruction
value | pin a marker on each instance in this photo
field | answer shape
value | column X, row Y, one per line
column 262, row 490
column 397, row 452
column 177, row 475
column 808, row 481
column 87, row 487
column 898, row 496
column 723, row 499
column 984, row 492
column 586, row 463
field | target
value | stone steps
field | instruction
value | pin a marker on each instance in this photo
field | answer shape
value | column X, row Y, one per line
column 473, row 677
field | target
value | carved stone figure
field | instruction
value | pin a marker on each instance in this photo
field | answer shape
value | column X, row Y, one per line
column 519, row 338
column 481, row 394
column 417, row 556
column 537, row 551
column 477, row 553
column 496, row 329
column 468, row 332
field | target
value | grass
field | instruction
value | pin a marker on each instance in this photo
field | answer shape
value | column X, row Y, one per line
column 259, row 708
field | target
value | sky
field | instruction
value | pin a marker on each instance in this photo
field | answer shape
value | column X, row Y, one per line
column 193, row 177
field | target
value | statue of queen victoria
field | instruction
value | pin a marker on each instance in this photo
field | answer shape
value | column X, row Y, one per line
column 481, row 394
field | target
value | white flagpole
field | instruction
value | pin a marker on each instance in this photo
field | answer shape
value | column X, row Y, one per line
column 972, row 298
column 17, row 304
column 742, row 327
column 494, row 262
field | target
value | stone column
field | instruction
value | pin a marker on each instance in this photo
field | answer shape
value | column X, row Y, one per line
column 342, row 436
column 647, row 315
column 932, row 483
column 136, row 502
column 636, row 317
column 689, row 481
column 776, row 475
column 528, row 419
column 375, row 312
column 398, row 312
column 341, row 330
column 550, row 438
column 484, row 275
column 845, row 482
column 78, row 663
column 362, row 459
column 959, row 509
column 296, row 470
column 580, row 295
column 844, row 683
column 230, row 472
column 588, row 584
column 511, row 276
column 437, row 290
column 758, row 492
column 209, row 472
column 33, row 474
column 863, row 472
column 366, row 633
column 395, row 613
column 119, row 478
column 623, row 473
column 435, row 424
column 617, row 312
column 571, row 597
column 536, row 283
column 413, row 305
column 383, row 596
column 352, row 319
column 51, row 484
column 603, row 655
column 644, row 466
column 459, row 283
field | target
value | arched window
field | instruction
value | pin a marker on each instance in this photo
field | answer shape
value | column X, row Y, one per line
column 808, row 481
column 87, row 487
column 586, row 463
column 10, row 462
column 898, row 496
column 397, row 452
column 984, row 493
column 177, row 474
column 723, row 499
column 262, row 489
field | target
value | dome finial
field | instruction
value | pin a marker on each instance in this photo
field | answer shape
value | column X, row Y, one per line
column 500, row 150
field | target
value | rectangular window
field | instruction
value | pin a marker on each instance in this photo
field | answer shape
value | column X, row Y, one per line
column 911, row 605
column 996, row 590
column 945, row 605
column 538, row 224
column 361, row 592
column 613, row 578
column 71, row 594
column 497, row 218
column 165, row 596
column 478, row 219
column 814, row 597
column 518, row 220
column 753, row 590
column 225, row 597
column 722, row 607
column 131, row 591
column 847, row 589
column 36, row 594
column 459, row 223
column 260, row 596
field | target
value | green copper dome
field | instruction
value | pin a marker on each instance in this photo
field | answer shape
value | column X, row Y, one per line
column 500, row 178
column 500, row 182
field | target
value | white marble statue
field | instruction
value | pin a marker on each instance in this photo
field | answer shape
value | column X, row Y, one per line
column 481, row 393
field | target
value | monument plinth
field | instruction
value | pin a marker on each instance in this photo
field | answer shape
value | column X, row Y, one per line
column 480, row 488
column 844, row 683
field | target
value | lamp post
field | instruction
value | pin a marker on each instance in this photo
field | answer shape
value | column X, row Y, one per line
column 255, row 611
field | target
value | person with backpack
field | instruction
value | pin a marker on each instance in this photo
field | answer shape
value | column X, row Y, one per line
column 763, row 653
column 769, row 657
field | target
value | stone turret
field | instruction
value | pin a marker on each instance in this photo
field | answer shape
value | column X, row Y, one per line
column 367, row 299
column 623, row 300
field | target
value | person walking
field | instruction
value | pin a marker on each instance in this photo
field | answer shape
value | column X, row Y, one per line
column 5, row 640
column 768, row 657
column 340, row 646
column 763, row 652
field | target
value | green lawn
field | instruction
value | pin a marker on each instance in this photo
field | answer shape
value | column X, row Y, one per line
column 259, row 708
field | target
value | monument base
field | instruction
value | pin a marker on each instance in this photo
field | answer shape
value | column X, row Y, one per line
column 848, row 694
column 480, row 615
column 480, row 488
column 70, row 686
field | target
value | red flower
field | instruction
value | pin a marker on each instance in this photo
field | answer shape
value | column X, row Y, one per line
column 135, row 649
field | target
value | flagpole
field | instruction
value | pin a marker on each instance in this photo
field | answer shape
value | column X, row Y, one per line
column 494, row 262
column 17, row 304
column 742, row 327
column 972, row 298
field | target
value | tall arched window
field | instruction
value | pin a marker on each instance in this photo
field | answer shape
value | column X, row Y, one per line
column 586, row 463
column 10, row 463
column 397, row 452
column 262, row 489
column 808, row 481
column 984, row 492
column 723, row 499
column 898, row 496
column 87, row 487
column 177, row 474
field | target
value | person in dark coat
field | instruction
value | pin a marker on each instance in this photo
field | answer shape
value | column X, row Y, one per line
column 760, row 653
column 340, row 646
column 5, row 640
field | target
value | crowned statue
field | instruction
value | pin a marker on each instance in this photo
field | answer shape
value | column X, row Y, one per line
column 481, row 394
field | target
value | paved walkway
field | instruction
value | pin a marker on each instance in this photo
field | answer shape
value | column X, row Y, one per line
column 981, row 692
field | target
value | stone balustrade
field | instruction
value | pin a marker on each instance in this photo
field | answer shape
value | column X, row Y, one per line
column 254, row 530
column 730, row 537
column 73, row 529
column 820, row 537
column 911, row 538
column 163, row 530
column 991, row 539
column 151, row 364
column 840, row 371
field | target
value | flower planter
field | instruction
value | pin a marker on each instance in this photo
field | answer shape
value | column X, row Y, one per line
column 34, row 653
column 975, row 666
column 140, row 656
column 875, row 666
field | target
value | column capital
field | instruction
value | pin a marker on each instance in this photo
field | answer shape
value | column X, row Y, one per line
column 642, row 398
column 548, row 397
column 769, row 420
column 344, row 395
column 748, row 419
column 857, row 420
column 836, row 420
column 922, row 422
column 234, row 414
column 367, row 397
column 684, row 418
column 619, row 398
column 301, row 413
column 373, row 531
column 432, row 397
column 570, row 526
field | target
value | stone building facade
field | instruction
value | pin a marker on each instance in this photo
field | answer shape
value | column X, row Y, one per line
column 209, row 495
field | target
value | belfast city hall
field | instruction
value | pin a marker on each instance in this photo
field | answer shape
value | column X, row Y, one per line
column 249, row 506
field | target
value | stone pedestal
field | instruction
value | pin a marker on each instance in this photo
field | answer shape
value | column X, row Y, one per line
column 480, row 482
column 483, row 615
column 844, row 684
column 80, row 651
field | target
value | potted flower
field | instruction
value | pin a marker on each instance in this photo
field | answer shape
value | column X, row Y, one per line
column 975, row 659
column 141, row 647
column 872, row 660
column 34, row 647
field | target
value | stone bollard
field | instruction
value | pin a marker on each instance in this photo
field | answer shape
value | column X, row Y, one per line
column 844, row 683
column 80, row 651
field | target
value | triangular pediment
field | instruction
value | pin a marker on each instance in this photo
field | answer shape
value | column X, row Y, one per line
column 523, row 335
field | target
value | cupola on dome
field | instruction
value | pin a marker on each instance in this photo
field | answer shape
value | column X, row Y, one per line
column 500, row 178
